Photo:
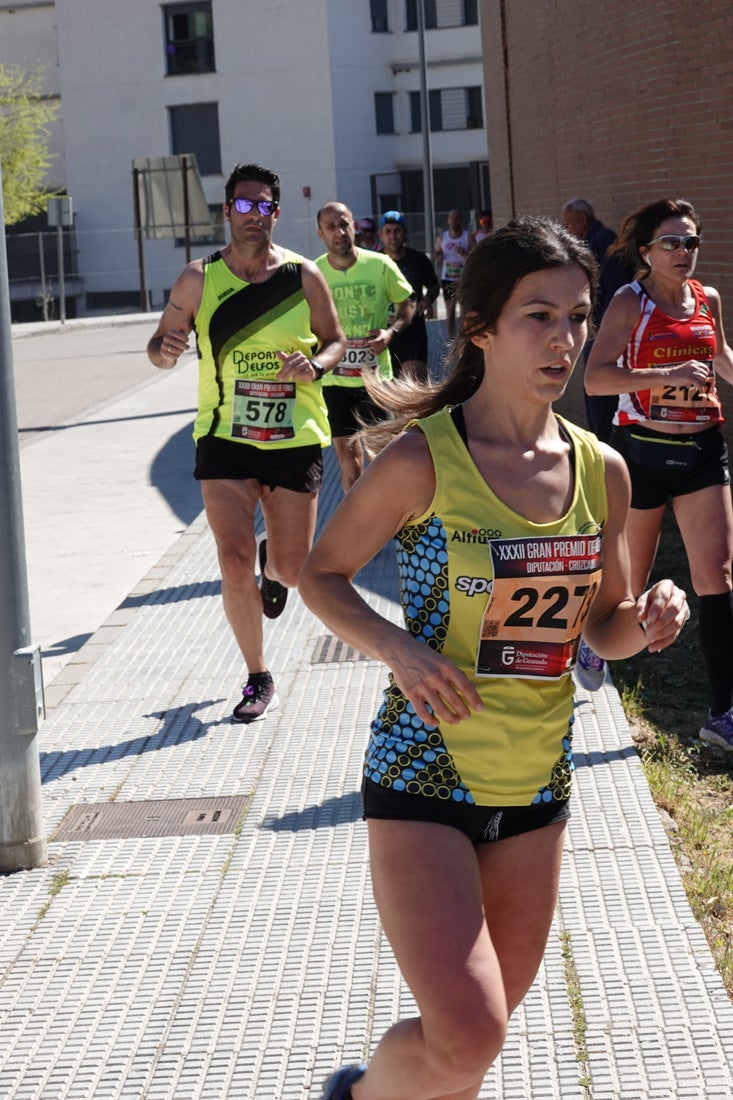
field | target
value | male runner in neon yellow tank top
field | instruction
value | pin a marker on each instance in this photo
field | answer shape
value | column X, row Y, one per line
column 266, row 331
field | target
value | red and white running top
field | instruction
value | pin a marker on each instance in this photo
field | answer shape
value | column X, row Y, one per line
column 662, row 341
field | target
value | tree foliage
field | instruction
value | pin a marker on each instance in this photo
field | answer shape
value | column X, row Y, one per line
column 25, row 126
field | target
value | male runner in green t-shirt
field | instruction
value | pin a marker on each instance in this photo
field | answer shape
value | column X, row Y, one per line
column 363, row 285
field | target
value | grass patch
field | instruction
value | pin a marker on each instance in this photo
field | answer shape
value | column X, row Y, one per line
column 665, row 697
column 575, row 997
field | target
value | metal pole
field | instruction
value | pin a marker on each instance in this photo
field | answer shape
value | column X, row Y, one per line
column 60, row 253
column 42, row 261
column 186, row 211
column 427, row 167
column 22, row 844
column 144, row 303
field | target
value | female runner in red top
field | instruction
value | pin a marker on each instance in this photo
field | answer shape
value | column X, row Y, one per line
column 659, row 347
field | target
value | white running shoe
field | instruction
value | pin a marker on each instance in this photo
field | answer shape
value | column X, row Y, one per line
column 590, row 669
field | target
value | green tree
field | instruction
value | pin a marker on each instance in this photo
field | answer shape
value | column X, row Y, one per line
column 25, row 125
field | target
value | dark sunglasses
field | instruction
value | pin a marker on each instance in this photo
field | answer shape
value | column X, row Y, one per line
column 670, row 243
column 266, row 207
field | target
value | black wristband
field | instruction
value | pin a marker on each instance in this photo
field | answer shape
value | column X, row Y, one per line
column 318, row 368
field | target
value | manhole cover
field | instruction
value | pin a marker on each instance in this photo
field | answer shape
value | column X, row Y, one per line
column 330, row 650
column 171, row 817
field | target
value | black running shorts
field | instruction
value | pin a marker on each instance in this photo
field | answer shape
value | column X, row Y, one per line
column 299, row 469
column 349, row 408
column 664, row 466
column 480, row 824
column 410, row 343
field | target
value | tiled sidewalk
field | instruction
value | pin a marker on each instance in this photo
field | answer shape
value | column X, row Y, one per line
column 247, row 963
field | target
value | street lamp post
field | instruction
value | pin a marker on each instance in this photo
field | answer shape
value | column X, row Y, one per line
column 22, row 844
column 427, row 168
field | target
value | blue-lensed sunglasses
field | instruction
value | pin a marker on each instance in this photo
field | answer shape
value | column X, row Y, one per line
column 266, row 207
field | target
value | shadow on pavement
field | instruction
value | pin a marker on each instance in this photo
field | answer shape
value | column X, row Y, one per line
column 334, row 811
column 178, row 727
column 171, row 473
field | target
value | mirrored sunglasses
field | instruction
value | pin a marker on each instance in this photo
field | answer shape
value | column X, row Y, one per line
column 265, row 206
column 670, row 243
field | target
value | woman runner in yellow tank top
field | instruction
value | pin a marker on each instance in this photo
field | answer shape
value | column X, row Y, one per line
column 510, row 527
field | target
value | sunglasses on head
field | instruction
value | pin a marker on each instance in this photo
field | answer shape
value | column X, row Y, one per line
column 266, row 207
column 670, row 243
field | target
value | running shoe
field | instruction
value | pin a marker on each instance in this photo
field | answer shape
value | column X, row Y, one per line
column 590, row 669
column 258, row 697
column 274, row 595
column 718, row 730
column 338, row 1085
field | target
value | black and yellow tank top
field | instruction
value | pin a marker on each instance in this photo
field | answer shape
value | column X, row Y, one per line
column 239, row 328
column 505, row 599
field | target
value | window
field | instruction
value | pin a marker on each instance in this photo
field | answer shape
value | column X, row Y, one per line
column 442, row 13
column 450, row 109
column 195, row 129
column 384, row 112
column 378, row 10
column 189, row 38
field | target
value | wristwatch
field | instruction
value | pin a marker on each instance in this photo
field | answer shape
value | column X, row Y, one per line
column 318, row 368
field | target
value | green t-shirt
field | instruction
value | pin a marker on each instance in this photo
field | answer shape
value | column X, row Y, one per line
column 362, row 295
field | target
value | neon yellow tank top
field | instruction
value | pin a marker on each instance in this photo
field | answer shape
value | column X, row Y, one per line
column 239, row 327
column 505, row 599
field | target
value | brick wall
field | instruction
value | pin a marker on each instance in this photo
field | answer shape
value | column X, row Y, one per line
column 619, row 103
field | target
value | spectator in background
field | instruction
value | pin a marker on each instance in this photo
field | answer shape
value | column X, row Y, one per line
column 451, row 248
column 578, row 216
column 366, row 235
column 409, row 348
column 485, row 225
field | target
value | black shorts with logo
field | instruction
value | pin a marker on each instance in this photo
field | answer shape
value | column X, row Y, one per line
column 664, row 466
column 480, row 824
column 299, row 469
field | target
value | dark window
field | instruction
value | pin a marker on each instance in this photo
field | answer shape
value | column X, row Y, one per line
column 450, row 109
column 195, row 129
column 442, row 13
column 384, row 112
column 435, row 108
column 474, row 108
column 189, row 38
column 415, row 113
column 378, row 10
column 470, row 13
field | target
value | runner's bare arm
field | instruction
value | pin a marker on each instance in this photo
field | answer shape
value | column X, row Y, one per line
column 621, row 623
column 723, row 361
column 324, row 324
column 170, row 338
column 324, row 318
column 381, row 338
column 397, row 486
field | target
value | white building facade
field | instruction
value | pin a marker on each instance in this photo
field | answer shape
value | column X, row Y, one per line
column 324, row 92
